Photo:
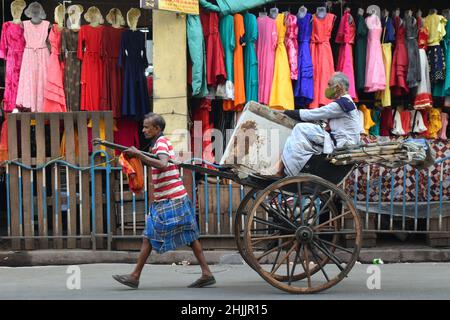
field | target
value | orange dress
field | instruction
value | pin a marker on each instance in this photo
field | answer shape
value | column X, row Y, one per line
column 322, row 58
column 239, row 81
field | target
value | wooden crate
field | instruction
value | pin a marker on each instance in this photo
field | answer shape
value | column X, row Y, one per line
column 439, row 239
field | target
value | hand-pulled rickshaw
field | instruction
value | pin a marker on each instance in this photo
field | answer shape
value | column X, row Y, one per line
column 289, row 229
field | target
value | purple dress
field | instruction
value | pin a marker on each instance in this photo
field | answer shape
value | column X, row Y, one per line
column 12, row 46
column 304, row 87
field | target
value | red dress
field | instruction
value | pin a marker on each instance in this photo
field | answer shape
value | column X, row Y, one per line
column 400, row 63
column 215, row 57
column 322, row 58
column 112, row 73
column 89, row 51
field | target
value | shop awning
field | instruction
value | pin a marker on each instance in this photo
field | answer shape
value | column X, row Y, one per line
column 232, row 6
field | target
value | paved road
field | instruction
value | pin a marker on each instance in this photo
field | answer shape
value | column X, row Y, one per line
column 398, row 281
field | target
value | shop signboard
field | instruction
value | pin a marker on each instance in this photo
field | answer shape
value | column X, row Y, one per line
column 181, row 6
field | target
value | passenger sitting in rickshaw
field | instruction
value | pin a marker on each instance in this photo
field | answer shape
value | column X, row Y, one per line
column 312, row 138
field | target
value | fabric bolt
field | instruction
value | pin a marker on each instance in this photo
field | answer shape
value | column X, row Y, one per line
column 54, row 96
column 400, row 62
column 89, row 51
column 346, row 38
column 304, row 87
column 171, row 224
column 197, row 53
column 281, row 95
column 250, row 59
column 362, row 32
column 12, row 46
column 226, row 29
column 215, row 61
column 376, row 118
column 291, row 43
column 111, row 98
column 133, row 60
column 387, row 122
column 33, row 72
column 72, row 69
column 375, row 70
column 443, row 132
column 367, row 118
column 414, row 70
column 322, row 57
column 265, row 52
column 417, row 123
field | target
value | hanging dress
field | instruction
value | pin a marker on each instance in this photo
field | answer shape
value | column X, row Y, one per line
column 133, row 60
column 265, row 52
column 322, row 57
column 412, row 33
column 215, row 61
column 112, row 92
column 435, row 25
column 442, row 88
column 399, row 71
column 423, row 98
column 375, row 70
column 54, row 96
column 250, row 60
column 386, row 47
column 226, row 30
column 282, row 95
column 346, row 38
column 291, row 43
column 12, row 45
column 361, row 52
column 72, row 69
column 197, row 53
column 33, row 72
column 89, row 51
column 304, row 87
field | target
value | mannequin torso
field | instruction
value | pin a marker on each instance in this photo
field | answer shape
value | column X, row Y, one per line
column 321, row 12
column 59, row 16
column 302, row 12
column 133, row 18
column 17, row 8
column 115, row 18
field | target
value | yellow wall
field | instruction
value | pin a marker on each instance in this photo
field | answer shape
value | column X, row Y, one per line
column 170, row 68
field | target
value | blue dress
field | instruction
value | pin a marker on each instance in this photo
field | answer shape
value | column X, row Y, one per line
column 133, row 60
column 304, row 87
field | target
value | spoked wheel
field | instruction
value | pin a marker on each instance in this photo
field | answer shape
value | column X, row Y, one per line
column 299, row 250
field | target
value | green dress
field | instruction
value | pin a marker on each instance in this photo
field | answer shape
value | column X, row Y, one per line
column 250, row 59
column 360, row 52
column 226, row 7
column 226, row 29
column 197, row 52
column 442, row 88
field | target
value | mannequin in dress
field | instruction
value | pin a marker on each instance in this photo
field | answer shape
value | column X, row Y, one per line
column 94, row 17
column 17, row 8
column 397, row 14
column 74, row 12
column 59, row 16
column 133, row 16
column 35, row 12
column 115, row 18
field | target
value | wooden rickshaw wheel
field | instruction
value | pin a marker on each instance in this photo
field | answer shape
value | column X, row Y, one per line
column 303, row 234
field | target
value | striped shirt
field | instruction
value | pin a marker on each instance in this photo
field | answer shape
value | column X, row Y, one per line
column 167, row 183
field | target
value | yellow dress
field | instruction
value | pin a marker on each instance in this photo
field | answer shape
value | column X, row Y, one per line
column 368, row 122
column 385, row 95
column 435, row 25
column 435, row 123
column 282, row 95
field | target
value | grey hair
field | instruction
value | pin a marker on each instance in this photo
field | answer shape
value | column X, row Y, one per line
column 35, row 6
column 342, row 79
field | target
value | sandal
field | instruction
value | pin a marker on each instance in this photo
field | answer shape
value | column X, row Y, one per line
column 203, row 282
column 126, row 280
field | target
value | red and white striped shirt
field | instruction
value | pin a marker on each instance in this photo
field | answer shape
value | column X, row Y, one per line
column 167, row 183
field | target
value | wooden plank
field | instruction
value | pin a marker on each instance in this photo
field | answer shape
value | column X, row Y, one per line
column 85, row 223
column 98, row 181
column 73, row 178
column 41, row 159
column 25, row 142
column 14, row 180
column 56, row 189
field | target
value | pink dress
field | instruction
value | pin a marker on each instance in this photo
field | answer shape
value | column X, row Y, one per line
column 12, row 44
column 33, row 73
column 54, row 96
column 291, row 43
column 346, row 38
column 265, row 51
column 375, row 71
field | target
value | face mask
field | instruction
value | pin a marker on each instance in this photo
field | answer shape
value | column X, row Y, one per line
column 330, row 92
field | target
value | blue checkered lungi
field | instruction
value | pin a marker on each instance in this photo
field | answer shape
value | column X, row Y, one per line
column 171, row 224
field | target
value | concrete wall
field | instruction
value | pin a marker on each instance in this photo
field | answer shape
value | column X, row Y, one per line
column 170, row 73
